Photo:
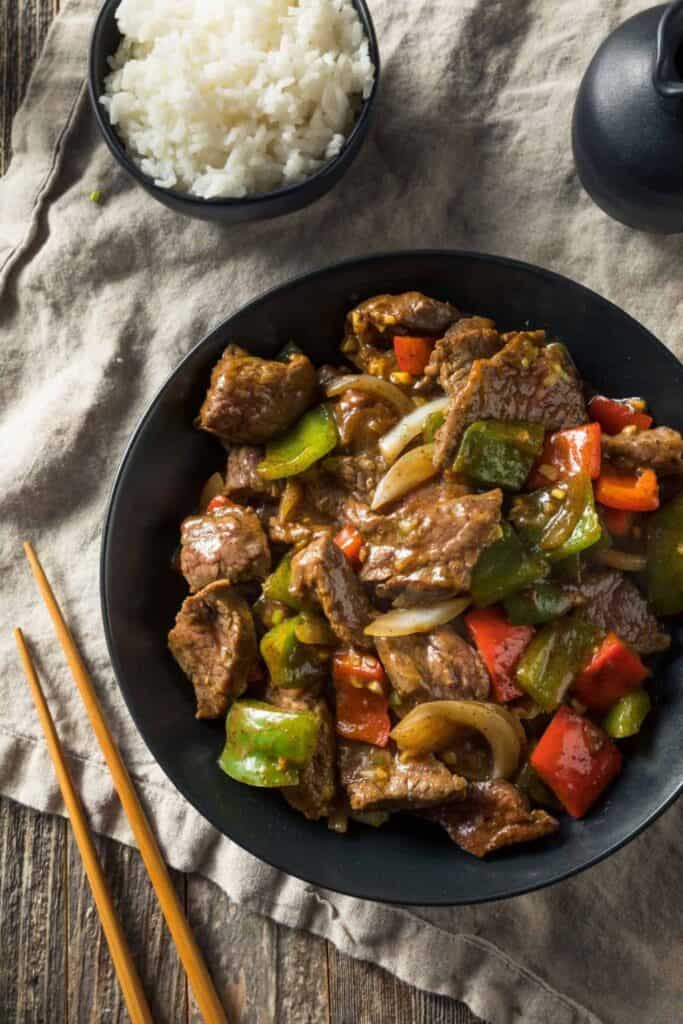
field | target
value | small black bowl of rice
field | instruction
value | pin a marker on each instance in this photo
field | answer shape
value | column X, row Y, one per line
column 231, row 111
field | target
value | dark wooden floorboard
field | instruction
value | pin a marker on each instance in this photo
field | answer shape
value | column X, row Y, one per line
column 266, row 974
column 33, row 951
column 93, row 990
column 362, row 993
column 49, row 931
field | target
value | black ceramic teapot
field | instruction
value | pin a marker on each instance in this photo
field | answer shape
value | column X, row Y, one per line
column 627, row 130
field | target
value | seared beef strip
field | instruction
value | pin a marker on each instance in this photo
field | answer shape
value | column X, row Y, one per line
column 428, row 546
column 214, row 642
column 243, row 482
column 377, row 780
column 351, row 476
column 492, row 815
column 250, row 399
column 297, row 532
column 362, row 419
column 660, row 449
column 226, row 544
column 433, row 666
column 322, row 570
column 465, row 341
column 614, row 604
column 315, row 793
column 521, row 382
column 383, row 316
column 324, row 494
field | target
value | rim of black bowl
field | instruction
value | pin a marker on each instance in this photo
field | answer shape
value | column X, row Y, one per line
column 273, row 860
column 119, row 151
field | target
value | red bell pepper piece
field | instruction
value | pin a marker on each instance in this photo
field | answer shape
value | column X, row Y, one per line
column 618, row 521
column 613, row 415
column 568, row 452
column 412, row 354
column 351, row 543
column 576, row 759
column 362, row 715
column 349, row 664
column 362, row 712
column 500, row 646
column 614, row 671
column 220, row 501
column 628, row 493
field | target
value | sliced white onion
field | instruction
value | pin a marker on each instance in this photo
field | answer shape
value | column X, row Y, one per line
column 382, row 389
column 211, row 489
column 292, row 497
column 411, row 470
column 626, row 561
column 434, row 726
column 406, row 621
column 395, row 440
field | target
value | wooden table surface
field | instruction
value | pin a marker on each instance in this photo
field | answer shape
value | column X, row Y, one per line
column 54, row 963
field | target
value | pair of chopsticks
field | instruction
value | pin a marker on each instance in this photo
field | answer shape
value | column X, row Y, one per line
column 188, row 951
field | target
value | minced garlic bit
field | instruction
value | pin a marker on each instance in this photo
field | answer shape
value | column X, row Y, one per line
column 376, row 367
column 558, row 493
column 357, row 682
column 549, row 472
column 376, row 687
column 639, row 404
column 401, row 377
column 630, row 429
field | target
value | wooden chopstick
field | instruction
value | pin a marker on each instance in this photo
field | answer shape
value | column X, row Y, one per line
column 188, row 951
column 129, row 979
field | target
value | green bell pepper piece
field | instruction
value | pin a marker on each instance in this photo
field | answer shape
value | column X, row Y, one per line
column 559, row 527
column 504, row 567
column 290, row 349
column 627, row 715
column 494, row 453
column 310, row 439
column 535, row 789
column 267, row 746
column 554, row 658
column 434, row 422
column 291, row 663
column 542, row 603
column 664, row 573
column 278, row 586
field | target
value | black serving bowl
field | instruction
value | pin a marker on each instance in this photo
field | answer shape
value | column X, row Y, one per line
column 105, row 41
column 408, row 860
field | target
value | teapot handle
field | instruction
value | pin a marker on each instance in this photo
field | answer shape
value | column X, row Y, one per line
column 668, row 73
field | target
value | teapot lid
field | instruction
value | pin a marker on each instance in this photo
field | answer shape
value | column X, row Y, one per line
column 627, row 129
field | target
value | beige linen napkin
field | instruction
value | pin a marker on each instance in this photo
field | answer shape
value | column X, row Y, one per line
column 470, row 148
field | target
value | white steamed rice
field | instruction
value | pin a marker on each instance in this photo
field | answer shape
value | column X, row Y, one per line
column 236, row 97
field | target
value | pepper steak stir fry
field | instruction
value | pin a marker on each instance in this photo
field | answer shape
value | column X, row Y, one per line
column 429, row 585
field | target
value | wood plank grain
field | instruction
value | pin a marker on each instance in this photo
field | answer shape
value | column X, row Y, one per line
column 93, row 993
column 362, row 993
column 23, row 27
column 265, row 974
column 33, row 954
